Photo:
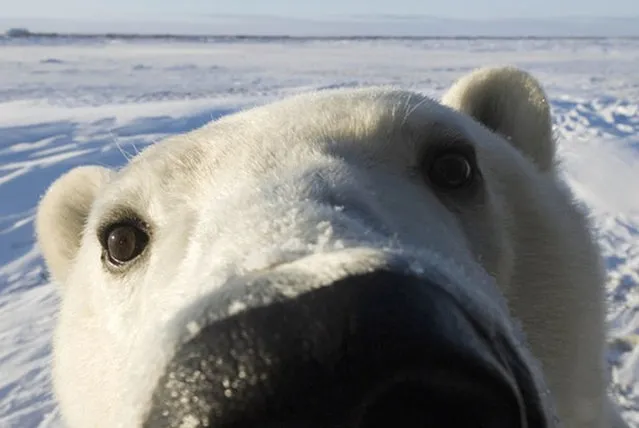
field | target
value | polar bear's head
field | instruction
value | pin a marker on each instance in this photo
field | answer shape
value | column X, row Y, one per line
column 334, row 259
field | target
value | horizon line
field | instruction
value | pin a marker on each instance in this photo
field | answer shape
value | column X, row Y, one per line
column 391, row 16
column 23, row 33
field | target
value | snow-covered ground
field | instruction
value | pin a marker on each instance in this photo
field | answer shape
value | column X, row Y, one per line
column 68, row 103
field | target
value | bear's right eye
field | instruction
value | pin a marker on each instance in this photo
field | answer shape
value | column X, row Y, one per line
column 123, row 243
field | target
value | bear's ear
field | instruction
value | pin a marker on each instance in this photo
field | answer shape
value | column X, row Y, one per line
column 511, row 103
column 62, row 214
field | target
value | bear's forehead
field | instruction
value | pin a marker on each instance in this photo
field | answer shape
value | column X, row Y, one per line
column 375, row 124
column 348, row 118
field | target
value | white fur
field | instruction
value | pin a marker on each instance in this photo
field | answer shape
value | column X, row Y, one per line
column 273, row 187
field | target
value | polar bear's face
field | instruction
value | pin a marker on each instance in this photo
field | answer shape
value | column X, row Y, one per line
column 335, row 259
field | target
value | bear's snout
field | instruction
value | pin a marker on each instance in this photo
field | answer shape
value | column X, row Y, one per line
column 377, row 349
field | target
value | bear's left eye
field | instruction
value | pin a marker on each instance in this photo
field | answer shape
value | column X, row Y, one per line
column 124, row 242
column 451, row 169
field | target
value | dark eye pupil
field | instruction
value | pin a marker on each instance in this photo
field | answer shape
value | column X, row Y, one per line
column 122, row 243
column 451, row 171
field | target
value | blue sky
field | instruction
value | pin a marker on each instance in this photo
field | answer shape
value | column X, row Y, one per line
column 108, row 9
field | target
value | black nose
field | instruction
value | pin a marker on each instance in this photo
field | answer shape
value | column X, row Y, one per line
column 382, row 349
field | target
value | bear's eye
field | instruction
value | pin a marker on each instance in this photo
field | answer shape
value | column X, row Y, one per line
column 124, row 242
column 451, row 170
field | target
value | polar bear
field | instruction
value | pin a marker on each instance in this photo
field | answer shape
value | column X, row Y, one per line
column 346, row 258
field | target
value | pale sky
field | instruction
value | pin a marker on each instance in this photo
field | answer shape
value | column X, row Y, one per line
column 482, row 9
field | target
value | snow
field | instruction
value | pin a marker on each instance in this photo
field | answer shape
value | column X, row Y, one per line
column 67, row 103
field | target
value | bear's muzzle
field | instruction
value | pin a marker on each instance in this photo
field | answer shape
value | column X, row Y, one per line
column 379, row 349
